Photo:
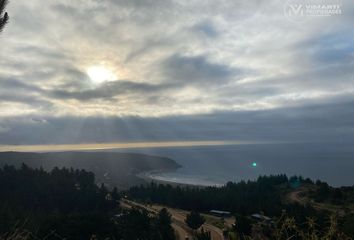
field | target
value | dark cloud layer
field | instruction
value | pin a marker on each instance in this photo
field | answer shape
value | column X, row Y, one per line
column 109, row 90
column 306, row 124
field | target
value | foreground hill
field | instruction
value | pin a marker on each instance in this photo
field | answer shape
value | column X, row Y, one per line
column 67, row 204
column 262, row 207
column 111, row 168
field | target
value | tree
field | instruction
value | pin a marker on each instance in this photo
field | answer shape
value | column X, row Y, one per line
column 243, row 225
column 164, row 225
column 115, row 194
column 203, row 235
column 194, row 220
column 4, row 18
column 164, row 217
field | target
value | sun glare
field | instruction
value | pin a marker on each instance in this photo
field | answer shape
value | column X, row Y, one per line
column 100, row 74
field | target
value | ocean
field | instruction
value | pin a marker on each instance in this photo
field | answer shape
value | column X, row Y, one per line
column 216, row 165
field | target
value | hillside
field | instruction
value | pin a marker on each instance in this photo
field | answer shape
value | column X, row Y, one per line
column 67, row 204
column 111, row 168
column 275, row 198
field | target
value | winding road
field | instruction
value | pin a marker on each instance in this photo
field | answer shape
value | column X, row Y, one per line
column 178, row 216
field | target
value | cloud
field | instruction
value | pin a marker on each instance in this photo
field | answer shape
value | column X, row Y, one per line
column 313, row 123
column 172, row 59
column 16, row 85
column 206, row 28
column 329, row 48
column 109, row 90
column 197, row 69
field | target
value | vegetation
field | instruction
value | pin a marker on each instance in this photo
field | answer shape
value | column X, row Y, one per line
column 164, row 225
column 194, row 220
column 4, row 17
column 137, row 224
column 243, row 225
column 202, row 235
column 110, row 168
column 323, row 193
column 244, row 197
column 67, row 204
column 267, row 195
column 288, row 229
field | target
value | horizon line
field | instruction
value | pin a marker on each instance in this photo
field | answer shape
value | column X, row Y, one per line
column 120, row 145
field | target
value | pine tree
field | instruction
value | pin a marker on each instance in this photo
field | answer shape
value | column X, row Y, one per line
column 115, row 194
column 164, row 225
column 4, row 17
column 194, row 220
column 203, row 235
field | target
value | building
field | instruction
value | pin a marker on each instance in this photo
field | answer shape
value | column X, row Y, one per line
column 220, row 213
column 261, row 218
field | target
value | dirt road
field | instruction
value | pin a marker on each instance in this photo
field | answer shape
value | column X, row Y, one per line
column 182, row 232
column 178, row 216
column 295, row 196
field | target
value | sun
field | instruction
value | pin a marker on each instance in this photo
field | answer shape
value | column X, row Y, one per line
column 100, row 74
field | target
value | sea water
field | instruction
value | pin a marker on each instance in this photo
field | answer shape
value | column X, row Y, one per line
column 216, row 165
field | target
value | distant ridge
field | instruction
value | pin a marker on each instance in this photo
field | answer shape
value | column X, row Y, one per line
column 111, row 168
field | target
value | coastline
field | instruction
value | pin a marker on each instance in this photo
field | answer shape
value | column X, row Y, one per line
column 152, row 176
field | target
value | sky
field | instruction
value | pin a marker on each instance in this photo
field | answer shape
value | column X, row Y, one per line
column 102, row 71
